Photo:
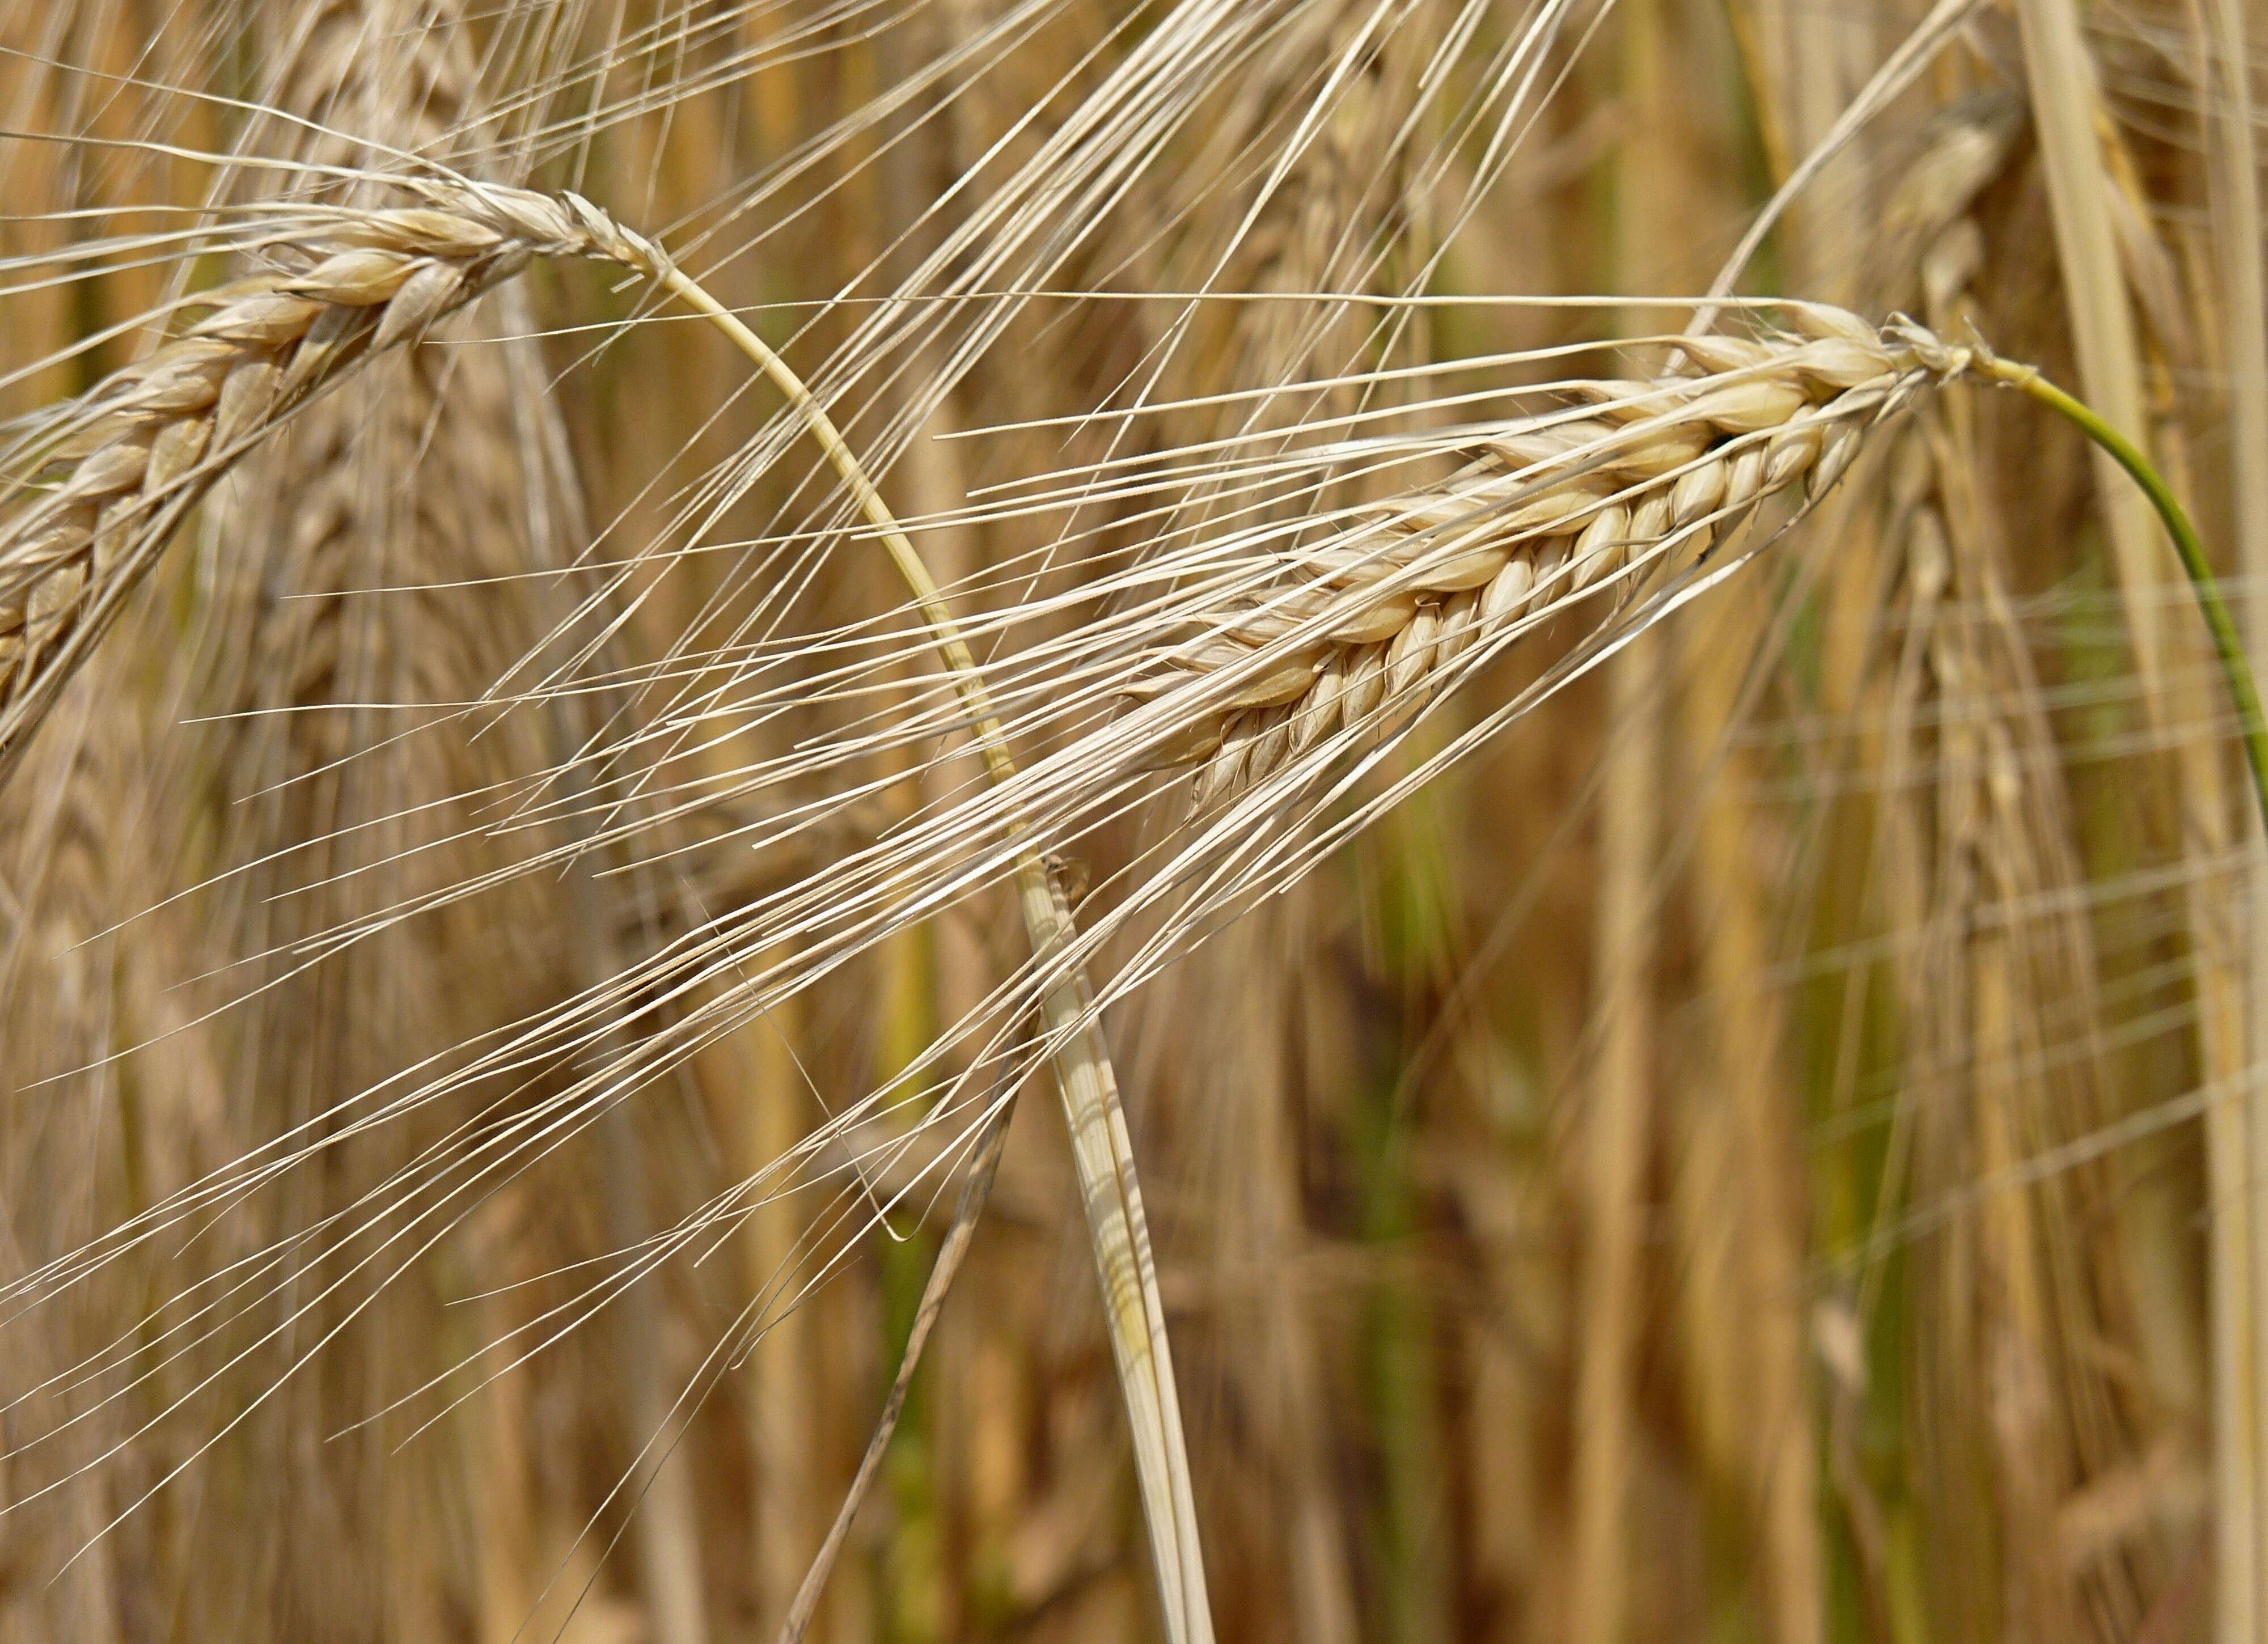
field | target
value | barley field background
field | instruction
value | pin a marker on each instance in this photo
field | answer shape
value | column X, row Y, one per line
column 1428, row 619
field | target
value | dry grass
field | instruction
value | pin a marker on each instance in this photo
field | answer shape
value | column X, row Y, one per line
column 1689, row 1059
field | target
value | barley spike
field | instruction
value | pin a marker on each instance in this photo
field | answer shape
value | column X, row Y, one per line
column 103, row 490
column 1356, row 632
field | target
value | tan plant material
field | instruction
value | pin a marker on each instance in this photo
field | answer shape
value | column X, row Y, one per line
column 1367, row 623
column 96, row 495
column 375, row 562
column 2003, row 999
column 1623, row 1115
column 61, row 890
column 359, row 281
column 1305, row 182
column 2240, row 1526
column 1924, row 890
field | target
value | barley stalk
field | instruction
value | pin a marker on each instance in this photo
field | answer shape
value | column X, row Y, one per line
column 1109, row 1191
column 1365, row 627
column 353, row 282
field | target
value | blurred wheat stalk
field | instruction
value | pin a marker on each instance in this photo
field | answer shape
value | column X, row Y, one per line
column 1747, row 1135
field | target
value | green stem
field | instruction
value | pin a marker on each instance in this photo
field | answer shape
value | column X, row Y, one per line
column 2237, row 670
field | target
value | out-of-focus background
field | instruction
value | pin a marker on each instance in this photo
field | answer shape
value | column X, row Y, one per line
column 1761, row 1149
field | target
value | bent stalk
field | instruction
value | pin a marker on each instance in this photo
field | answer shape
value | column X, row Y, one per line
column 1108, row 1189
column 2235, row 669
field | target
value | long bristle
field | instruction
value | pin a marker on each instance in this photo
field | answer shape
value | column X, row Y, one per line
column 620, row 626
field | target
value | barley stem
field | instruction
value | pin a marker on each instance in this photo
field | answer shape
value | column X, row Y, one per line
column 2237, row 671
column 1109, row 1191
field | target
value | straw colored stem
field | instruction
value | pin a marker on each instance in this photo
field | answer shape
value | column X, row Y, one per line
column 2233, row 195
column 159, row 434
column 1109, row 1191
